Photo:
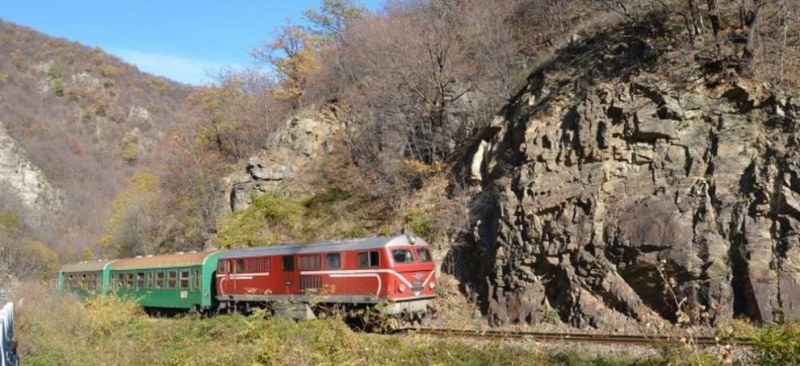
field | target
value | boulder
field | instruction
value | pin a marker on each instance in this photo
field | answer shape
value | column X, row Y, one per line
column 261, row 170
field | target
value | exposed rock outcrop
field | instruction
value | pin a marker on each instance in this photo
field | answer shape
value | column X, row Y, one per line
column 26, row 182
column 624, row 180
column 302, row 139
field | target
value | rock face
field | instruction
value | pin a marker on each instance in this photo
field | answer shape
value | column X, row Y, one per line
column 23, row 180
column 624, row 180
column 299, row 141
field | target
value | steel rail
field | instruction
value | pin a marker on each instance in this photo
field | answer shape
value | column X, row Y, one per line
column 646, row 340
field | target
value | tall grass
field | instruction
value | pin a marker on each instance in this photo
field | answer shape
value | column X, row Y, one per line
column 59, row 330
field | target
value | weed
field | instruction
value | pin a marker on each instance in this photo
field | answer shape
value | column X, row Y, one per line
column 778, row 345
column 55, row 330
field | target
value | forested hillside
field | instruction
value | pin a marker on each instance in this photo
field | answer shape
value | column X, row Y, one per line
column 86, row 120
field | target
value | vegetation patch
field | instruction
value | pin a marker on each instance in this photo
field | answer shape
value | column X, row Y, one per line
column 778, row 345
column 55, row 330
column 279, row 217
column 268, row 219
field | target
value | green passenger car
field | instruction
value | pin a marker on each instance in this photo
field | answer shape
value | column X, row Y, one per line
column 173, row 281
column 85, row 278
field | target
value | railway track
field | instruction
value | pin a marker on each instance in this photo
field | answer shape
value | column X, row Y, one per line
column 644, row 340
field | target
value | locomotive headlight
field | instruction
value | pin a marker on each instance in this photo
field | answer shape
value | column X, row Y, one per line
column 401, row 288
column 432, row 285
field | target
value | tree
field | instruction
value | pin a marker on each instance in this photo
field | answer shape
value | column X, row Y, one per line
column 752, row 23
column 138, row 224
column 20, row 254
column 333, row 17
column 424, row 76
column 190, row 192
column 235, row 123
column 34, row 258
column 292, row 55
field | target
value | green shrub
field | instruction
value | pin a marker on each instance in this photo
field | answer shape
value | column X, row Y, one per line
column 685, row 355
column 277, row 216
column 54, row 72
column 355, row 232
column 551, row 316
column 270, row 219
column 130, row 148
column 323, row 200
column 107, row 313
column 58, row 87
column 422, row 225
column 87, row 114
column 778, row 345
column 9, row 221
column 108, row 71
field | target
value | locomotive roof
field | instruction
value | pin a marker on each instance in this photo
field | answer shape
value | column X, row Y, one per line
column 167, row 260
column 86, row 266
column 325, row 246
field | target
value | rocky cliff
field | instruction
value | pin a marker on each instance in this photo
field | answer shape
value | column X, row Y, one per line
column 635, row 176
column 25, row 182
column 299, row 141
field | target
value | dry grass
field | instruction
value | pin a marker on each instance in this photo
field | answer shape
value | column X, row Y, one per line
column 54, row 330
column 59, row 330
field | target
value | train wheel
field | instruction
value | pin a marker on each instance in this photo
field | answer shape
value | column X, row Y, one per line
column 431, row 312
column 324, row 311
column 196, row 312
column 380, row 322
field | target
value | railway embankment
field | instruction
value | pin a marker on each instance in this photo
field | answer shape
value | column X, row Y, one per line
column 52, row 329
column 109, row 330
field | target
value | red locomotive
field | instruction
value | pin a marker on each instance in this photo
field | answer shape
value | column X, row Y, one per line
column 394, row 274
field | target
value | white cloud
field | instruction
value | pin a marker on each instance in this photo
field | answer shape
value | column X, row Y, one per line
column 182, row 69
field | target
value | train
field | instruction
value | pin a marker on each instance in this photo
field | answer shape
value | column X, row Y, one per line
column 394, row 276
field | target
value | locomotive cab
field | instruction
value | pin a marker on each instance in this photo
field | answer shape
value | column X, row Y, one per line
column 411, row 285
column 416, row 269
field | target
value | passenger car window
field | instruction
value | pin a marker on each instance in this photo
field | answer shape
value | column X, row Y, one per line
column 424, row 255
column 172, row 279
column 333, row 261
column 159, row 279
column 185, row 279
column 402, row 256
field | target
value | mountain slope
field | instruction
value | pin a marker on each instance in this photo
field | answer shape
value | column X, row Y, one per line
column 86, row 119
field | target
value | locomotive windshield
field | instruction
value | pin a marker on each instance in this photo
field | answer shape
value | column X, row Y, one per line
column 424, row 255
column 402, row 256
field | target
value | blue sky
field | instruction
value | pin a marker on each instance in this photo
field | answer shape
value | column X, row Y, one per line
column 187, row 41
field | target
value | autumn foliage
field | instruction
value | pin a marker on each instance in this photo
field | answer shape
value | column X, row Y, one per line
column 413, row 82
